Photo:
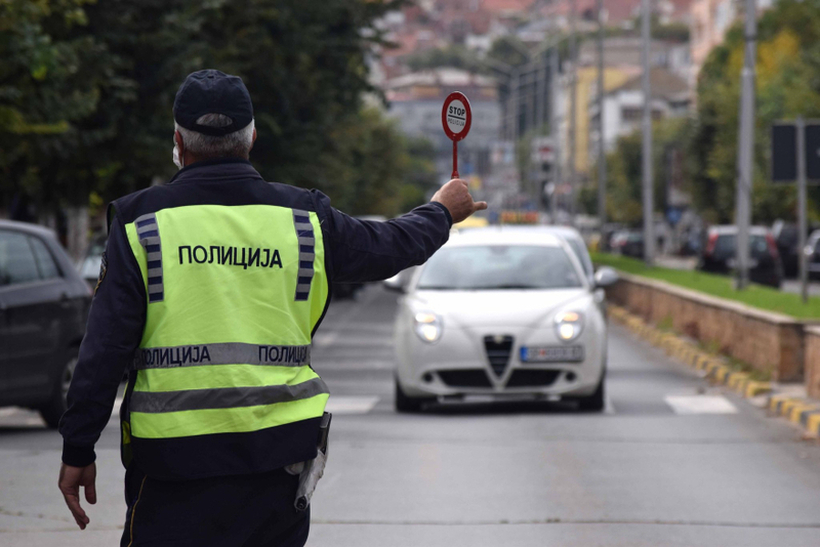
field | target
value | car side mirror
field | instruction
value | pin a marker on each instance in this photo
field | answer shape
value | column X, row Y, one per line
column 394, row 284
column 605, row 277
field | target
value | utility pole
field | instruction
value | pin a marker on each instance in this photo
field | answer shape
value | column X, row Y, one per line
column 540, row 93
column 555, row 121
column 573, row 108
column 516, row 101
column 745, row 149
column 601, row 152
column 801, row 208
column 648, row 198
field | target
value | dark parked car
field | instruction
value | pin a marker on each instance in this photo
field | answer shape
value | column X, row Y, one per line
column 719, row 255
column 43, row 309
column 633, row 244
column 813, row 252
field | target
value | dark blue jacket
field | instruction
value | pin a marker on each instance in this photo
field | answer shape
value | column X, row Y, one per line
column 355, row 251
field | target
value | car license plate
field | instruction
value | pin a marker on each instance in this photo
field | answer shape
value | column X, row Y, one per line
column 552, row 354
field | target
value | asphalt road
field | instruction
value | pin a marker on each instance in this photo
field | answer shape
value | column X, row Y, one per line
column 671, row 462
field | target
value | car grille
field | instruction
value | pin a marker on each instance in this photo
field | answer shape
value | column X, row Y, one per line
column 532, row 378
column 464, row 378
column 498, row 352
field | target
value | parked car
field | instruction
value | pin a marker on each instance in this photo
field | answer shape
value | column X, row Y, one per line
column 633, row 245
column 719, row 254
column 89, row 266
column 503, row 314
column 786, row 237
column 607, row 232
column 813, row 252
column 43, row 310
column 617, row 241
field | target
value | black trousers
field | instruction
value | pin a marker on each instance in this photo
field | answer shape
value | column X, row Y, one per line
column 243, row 511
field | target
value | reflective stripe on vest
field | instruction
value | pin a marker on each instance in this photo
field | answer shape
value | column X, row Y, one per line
column 226, row 346
column 307, row 243
column 227, row 397
column 149, row 239
column 222, row 354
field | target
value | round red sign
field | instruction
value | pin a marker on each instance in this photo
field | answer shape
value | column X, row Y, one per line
column 456, row 116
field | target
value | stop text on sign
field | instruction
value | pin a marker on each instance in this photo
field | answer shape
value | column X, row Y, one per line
column 456, row 116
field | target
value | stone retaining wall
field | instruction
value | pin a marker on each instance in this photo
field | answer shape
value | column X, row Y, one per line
column 770, row 342
column 813, row 361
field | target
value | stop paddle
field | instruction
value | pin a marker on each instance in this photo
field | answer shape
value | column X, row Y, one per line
column 456, row 118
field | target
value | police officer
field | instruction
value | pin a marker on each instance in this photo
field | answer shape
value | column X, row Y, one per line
column 210, row 291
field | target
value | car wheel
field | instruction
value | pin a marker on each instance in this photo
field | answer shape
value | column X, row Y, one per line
column 53, row 410
column 405, row 403
column 594, row 402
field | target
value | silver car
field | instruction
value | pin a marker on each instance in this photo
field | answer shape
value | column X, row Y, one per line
column 501, row 314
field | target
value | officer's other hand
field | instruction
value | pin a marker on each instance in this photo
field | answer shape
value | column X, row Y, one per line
column 456, row 197
column 71, row 479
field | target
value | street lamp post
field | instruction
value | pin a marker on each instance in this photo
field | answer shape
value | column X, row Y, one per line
column 745, row 150
column 601, row 152
column 573, row 108
column 648, row 198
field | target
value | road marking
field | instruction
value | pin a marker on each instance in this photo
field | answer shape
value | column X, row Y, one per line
column 323, row 339
column 609, row 408
column 350, row 405
column 9, row 411
column 700, row 404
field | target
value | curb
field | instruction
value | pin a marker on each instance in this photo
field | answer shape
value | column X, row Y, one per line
column 797, row 410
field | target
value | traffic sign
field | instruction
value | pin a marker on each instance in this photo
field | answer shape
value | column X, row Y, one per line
column 784, row 151
column 456, row 119
column 796, row 157
column 813, row 152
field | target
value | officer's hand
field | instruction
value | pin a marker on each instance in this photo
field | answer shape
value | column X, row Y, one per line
column 455, row 196
column 71, row 478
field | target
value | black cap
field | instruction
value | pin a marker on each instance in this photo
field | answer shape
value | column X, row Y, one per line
column 213, row 92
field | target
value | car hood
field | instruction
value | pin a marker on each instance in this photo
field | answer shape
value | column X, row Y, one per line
column 502, row 307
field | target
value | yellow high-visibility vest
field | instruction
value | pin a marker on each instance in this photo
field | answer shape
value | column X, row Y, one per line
column 233, row 295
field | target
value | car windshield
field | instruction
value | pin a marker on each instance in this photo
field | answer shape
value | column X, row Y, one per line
column 726, row 246
column 491, row 267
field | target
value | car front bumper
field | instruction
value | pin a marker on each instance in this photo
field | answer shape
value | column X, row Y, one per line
column 459, row 365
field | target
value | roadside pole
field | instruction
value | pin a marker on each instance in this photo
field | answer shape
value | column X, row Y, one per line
column 648, row 198
column 801, row 208
column 601, row 153
column 746, row 147
column 573, row 111
column 554, row 121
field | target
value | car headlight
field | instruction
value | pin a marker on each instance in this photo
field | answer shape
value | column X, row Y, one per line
column 427, row 326
column 568, row 325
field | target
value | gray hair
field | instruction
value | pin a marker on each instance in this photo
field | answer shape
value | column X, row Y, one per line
column 236, row 144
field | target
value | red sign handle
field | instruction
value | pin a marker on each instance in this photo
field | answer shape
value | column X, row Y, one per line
column 455, row 160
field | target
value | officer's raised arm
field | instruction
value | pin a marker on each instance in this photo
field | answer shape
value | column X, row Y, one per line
column 363, row 250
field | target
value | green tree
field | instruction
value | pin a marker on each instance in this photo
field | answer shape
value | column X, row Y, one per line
column 509, row 50
column 304, row 62
column 49, row 81
column 625, row 172
column 456, row 56
column 788, row 63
